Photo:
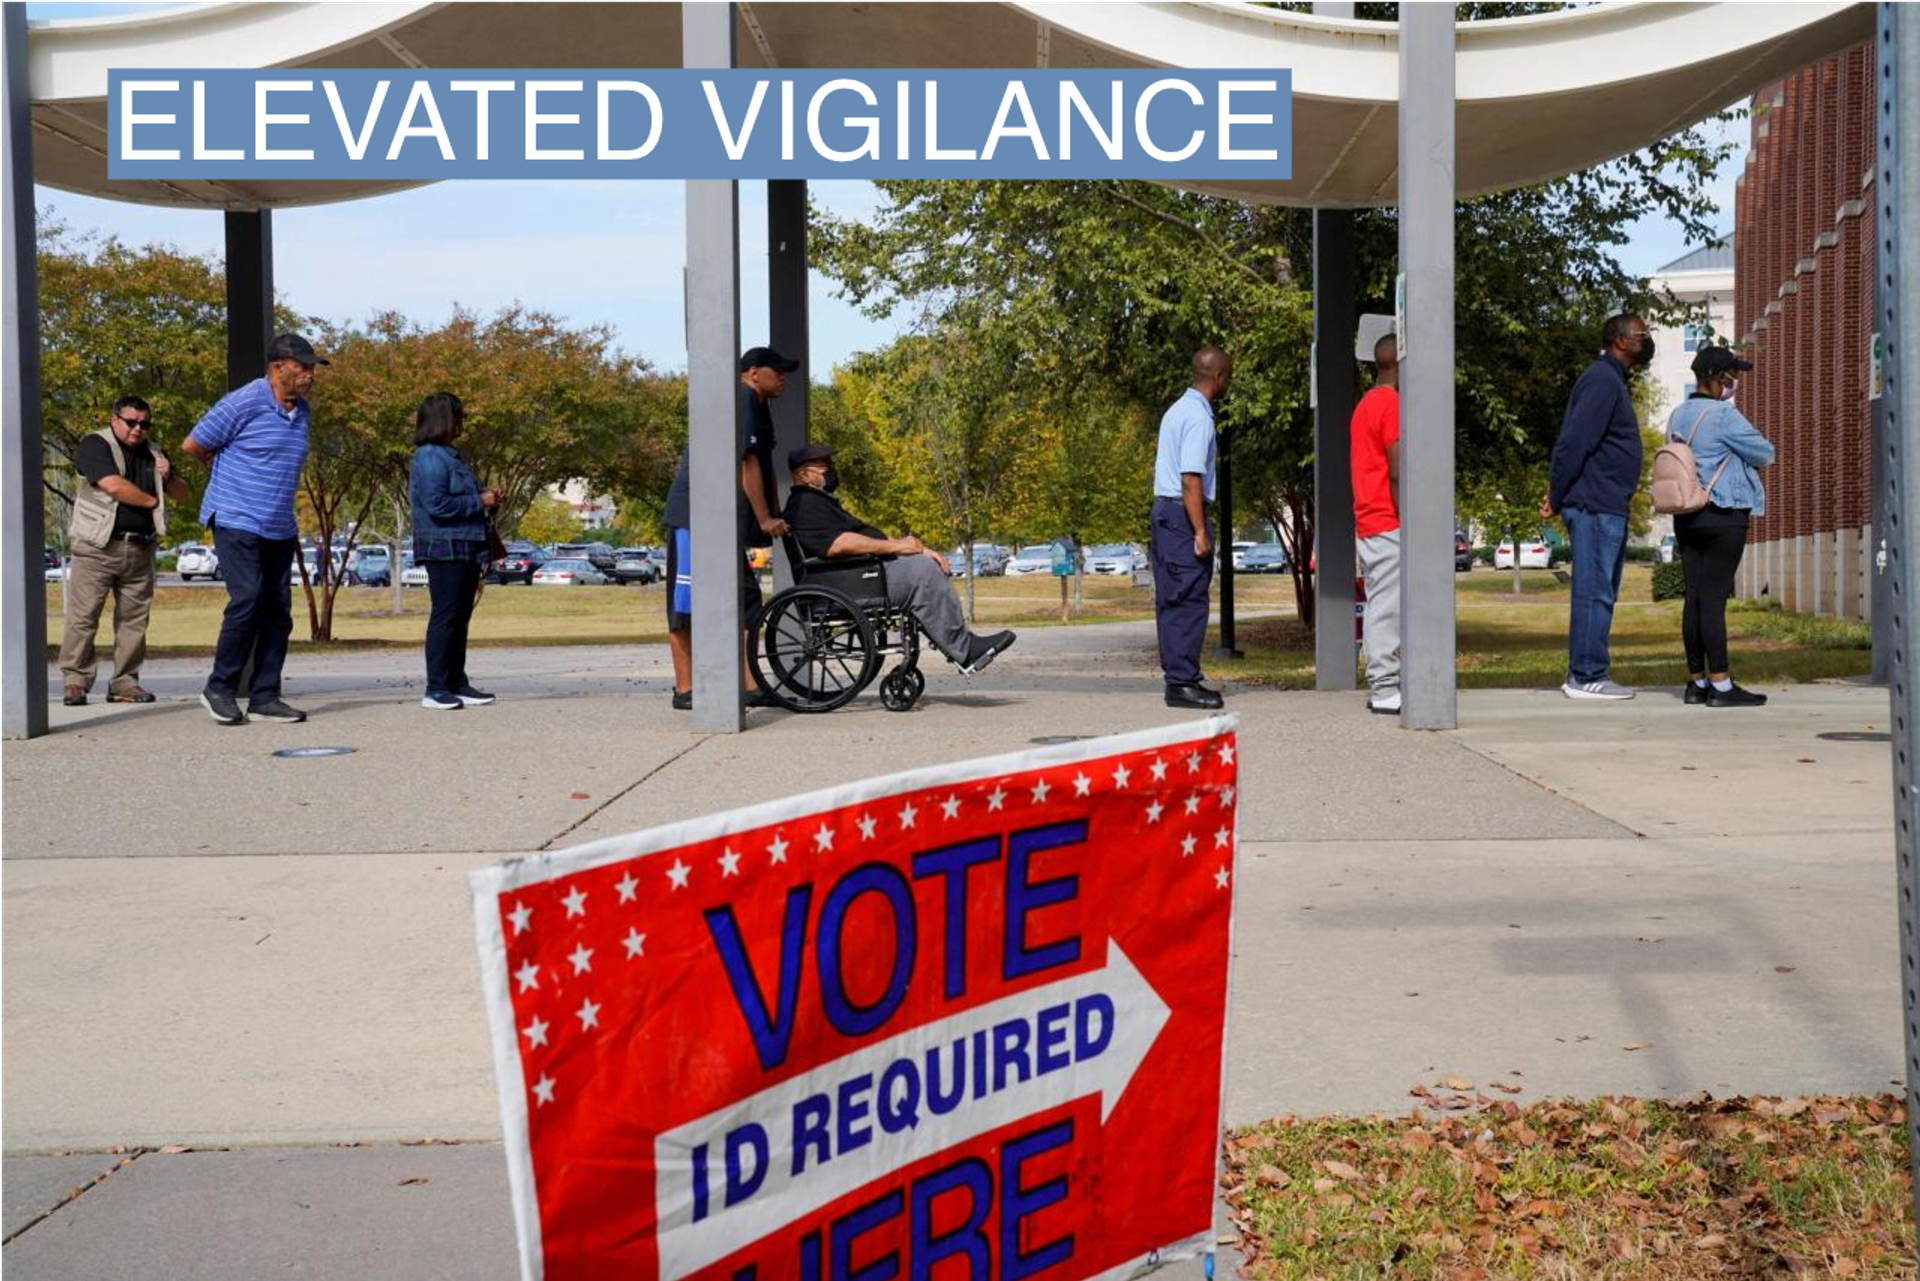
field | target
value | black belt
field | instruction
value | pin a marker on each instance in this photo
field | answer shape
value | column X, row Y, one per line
column 136, row 538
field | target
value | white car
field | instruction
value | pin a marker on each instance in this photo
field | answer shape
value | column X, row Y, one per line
column 568, row 573
column 1114, row 558
column 196, row 560
column 412, row 575
column 1534, row 554
column 58, row 573
column 1240, row 553
column 1037, row 559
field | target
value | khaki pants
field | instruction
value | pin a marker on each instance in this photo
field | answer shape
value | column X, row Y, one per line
column 124, row 570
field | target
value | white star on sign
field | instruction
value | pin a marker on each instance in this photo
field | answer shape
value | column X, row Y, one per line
column 729, row 864
column 636, row 943
column 996, row 798
column 520, row 916
column 1186, row 846
column 1081, row 784
column 627, row 886
column 823, row 839
column 1121, row 775
column 678, row 874
column 778, row 850
column 529, row 976
column 589, row 1015
column 1193, row 803
column 536, row 1032
column 576, row 903
column 867, row 824
column 1220, row 878
column 951, row 807
column 582, row 958
column 1153, row 812
column 1226, row 796
column 907, row 815
column 543, row 1089
column 1193, row 763
column 1220, row 838
column 1159, row 770
column 1040, row 791
column 1226, row 753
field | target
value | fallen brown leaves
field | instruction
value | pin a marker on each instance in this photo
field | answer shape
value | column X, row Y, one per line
column 1611, row 1188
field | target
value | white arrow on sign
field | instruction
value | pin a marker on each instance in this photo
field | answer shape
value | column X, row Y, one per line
column 783, row 1196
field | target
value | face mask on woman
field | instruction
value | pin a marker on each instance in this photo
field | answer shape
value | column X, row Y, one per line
column 1729, row 388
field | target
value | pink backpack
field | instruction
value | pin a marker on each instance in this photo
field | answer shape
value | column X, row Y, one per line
column 1676, row 475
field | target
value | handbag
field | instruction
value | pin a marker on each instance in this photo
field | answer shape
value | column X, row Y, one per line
column 496, row 550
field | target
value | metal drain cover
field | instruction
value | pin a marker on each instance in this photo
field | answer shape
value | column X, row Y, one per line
column 1855, row 736
column 301, row 753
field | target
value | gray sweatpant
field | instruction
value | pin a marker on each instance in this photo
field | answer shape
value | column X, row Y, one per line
column 1380, row 566
column 918, row 584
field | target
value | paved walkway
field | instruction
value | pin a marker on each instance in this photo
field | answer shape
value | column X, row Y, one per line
column 274, row 956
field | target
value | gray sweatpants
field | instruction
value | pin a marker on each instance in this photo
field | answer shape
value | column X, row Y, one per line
column 1380, row 566
column 918, row 584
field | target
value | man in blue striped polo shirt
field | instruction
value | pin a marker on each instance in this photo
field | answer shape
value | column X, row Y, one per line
column 255, row 439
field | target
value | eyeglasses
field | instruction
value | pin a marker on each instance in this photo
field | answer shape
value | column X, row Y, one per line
column 136, row 422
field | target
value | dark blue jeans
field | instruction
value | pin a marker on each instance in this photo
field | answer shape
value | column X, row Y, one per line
column 1599, row 551
column 451, row 584
column 1180, row 583
column 259, row 617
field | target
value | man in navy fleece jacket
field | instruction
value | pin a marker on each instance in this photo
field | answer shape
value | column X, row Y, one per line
column 1596, row 469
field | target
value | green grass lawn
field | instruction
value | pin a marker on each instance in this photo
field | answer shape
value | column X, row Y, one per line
column 1520, row 642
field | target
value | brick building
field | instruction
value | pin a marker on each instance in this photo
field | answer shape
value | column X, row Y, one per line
column 1803, row 309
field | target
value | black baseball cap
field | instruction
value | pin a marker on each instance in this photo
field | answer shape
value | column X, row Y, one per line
column 800, row 457
column 766, row 358
column 1711, row 362
column 293, row 347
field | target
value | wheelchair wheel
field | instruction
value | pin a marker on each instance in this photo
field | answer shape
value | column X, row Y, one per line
column 813, row 650
column 901, row 689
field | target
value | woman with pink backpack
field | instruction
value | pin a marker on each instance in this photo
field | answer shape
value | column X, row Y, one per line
column 1705, row 477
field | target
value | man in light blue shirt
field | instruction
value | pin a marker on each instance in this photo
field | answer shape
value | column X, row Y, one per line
column 255, row 440
column 1182, row 541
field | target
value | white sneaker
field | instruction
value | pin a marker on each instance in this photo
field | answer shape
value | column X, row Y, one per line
column 1602, row 688
column 1385, row 702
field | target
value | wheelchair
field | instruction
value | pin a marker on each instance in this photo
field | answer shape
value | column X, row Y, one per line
column 817, row 645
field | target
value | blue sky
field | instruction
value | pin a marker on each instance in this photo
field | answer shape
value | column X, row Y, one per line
column 591, row 252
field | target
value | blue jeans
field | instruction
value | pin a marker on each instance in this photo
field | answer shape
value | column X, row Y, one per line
column 451, row 585
column 259, row 617
column 1599, row 551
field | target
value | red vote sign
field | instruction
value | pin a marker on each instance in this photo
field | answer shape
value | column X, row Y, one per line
column 967, row 1021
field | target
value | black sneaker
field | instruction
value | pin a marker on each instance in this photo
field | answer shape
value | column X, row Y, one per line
column 1695, row 695
column 224, row 708
column 982, row 650
column 682, row 700
column 1197, row 697
column 441, row 701
column 275, row 710
column 1735, row 697
column 759, row 698
column 471, row 697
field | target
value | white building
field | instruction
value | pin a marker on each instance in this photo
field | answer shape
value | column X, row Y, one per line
column 1703, row 280
column 593, row 511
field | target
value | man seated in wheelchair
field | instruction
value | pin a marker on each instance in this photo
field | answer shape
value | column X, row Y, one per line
column 917, row 580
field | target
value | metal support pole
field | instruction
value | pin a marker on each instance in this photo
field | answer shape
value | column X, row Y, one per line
column 1333, row 328
column 23, row 580
column 1225, row 649
column 787, row 331
column 713, row 348
column 1426, row 374
column 249, row 294
column 1897, row 304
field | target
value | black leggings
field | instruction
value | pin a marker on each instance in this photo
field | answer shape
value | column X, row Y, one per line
column 1711, row 556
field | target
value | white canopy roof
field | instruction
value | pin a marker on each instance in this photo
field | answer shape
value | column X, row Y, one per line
column 1538, row 97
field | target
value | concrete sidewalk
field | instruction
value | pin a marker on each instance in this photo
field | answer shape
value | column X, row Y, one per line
column 278, row 952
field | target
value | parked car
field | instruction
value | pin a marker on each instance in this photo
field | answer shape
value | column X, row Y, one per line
column 53, row 558
column 1240, row 551
column 196, row 560
column 311, row 556
column 658, row 555
column 519, row 565
column 1534, row 553
column 371, row 566
column 1462, row 552
column 633, row 565
column 1037, row 559
column 1669, row 549
column 411, row 575
column 599, row 555
column 1264, row 558
column 57, row 573
column 1112, row 558
column 988, row 561
column 568, row 572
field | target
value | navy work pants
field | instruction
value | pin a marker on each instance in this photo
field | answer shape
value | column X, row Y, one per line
column 452, row 585
column 1180, row 583
column 259, row 617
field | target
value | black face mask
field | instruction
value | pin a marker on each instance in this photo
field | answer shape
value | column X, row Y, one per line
column 832, row 480
column 1644, row 357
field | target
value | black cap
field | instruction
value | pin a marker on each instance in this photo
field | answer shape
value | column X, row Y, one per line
column 1711, row 362
column 293, row 347
column 798, row 458
column 766, row 358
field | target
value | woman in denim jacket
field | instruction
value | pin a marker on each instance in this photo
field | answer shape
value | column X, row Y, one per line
column 1713, row 539
column 450, row 542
